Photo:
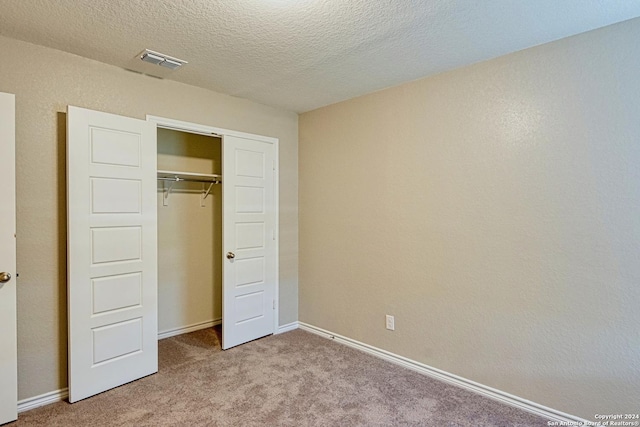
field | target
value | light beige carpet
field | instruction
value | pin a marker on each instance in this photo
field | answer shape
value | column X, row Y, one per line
column 292, row 379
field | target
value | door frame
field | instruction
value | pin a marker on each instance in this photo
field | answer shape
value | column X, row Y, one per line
column 189, row 127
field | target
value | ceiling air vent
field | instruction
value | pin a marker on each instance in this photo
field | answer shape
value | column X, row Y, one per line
column 161, row 59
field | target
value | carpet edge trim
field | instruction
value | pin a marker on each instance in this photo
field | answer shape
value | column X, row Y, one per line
column 490, row 392
column 189, row 328
column 42, row 400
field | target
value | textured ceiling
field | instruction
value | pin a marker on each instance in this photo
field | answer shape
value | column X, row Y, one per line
column 303, row 54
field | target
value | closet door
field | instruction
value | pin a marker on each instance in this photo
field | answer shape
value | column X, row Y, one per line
column 8, row 340
column 112, row 255
column 249, row 240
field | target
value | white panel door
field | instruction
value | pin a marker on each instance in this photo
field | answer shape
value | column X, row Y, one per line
column 112, row 251
column 249, row 240
column 8, row 354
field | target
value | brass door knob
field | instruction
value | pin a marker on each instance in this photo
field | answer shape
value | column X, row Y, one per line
column 231, row 255
column 5, row 277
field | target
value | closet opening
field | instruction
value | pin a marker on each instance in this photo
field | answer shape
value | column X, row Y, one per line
column 189, row 204
column 143, row 266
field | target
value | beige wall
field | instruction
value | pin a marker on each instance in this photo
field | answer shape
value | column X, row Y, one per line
column 45, row 81
column 495, row 211
column 189, row 235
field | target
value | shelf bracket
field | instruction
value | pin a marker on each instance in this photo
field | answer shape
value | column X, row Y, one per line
column 166, row 191
column 206, row 193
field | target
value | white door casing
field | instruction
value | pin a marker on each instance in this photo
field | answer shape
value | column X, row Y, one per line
column 249, row 239
column 8, row 328
column 112, row 251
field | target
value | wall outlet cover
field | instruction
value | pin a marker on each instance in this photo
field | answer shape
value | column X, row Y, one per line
column 390, row 321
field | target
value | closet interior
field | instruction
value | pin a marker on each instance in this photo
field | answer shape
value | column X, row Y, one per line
column 189, row 231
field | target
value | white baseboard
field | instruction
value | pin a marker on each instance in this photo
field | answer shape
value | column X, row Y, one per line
column 286, row 328
column 189, row 328
column 492, row 393
column 42, row 400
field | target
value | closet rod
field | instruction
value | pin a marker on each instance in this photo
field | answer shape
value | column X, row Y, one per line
column 174, row 176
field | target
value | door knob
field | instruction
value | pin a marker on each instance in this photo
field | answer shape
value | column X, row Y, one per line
column 231, row 255
column 5, row 277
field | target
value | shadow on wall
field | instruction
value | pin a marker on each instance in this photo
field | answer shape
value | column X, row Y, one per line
column 61, row 163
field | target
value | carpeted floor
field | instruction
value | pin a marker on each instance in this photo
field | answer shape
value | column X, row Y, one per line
column 292, row 379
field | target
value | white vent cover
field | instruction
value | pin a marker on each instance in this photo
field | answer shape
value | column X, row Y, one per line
column 161, row 59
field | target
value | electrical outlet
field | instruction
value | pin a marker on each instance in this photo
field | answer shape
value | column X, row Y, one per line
column 391, row 323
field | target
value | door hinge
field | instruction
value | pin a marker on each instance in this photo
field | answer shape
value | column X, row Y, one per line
column 274, row 165
column 274, row 304
column 273, row 234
